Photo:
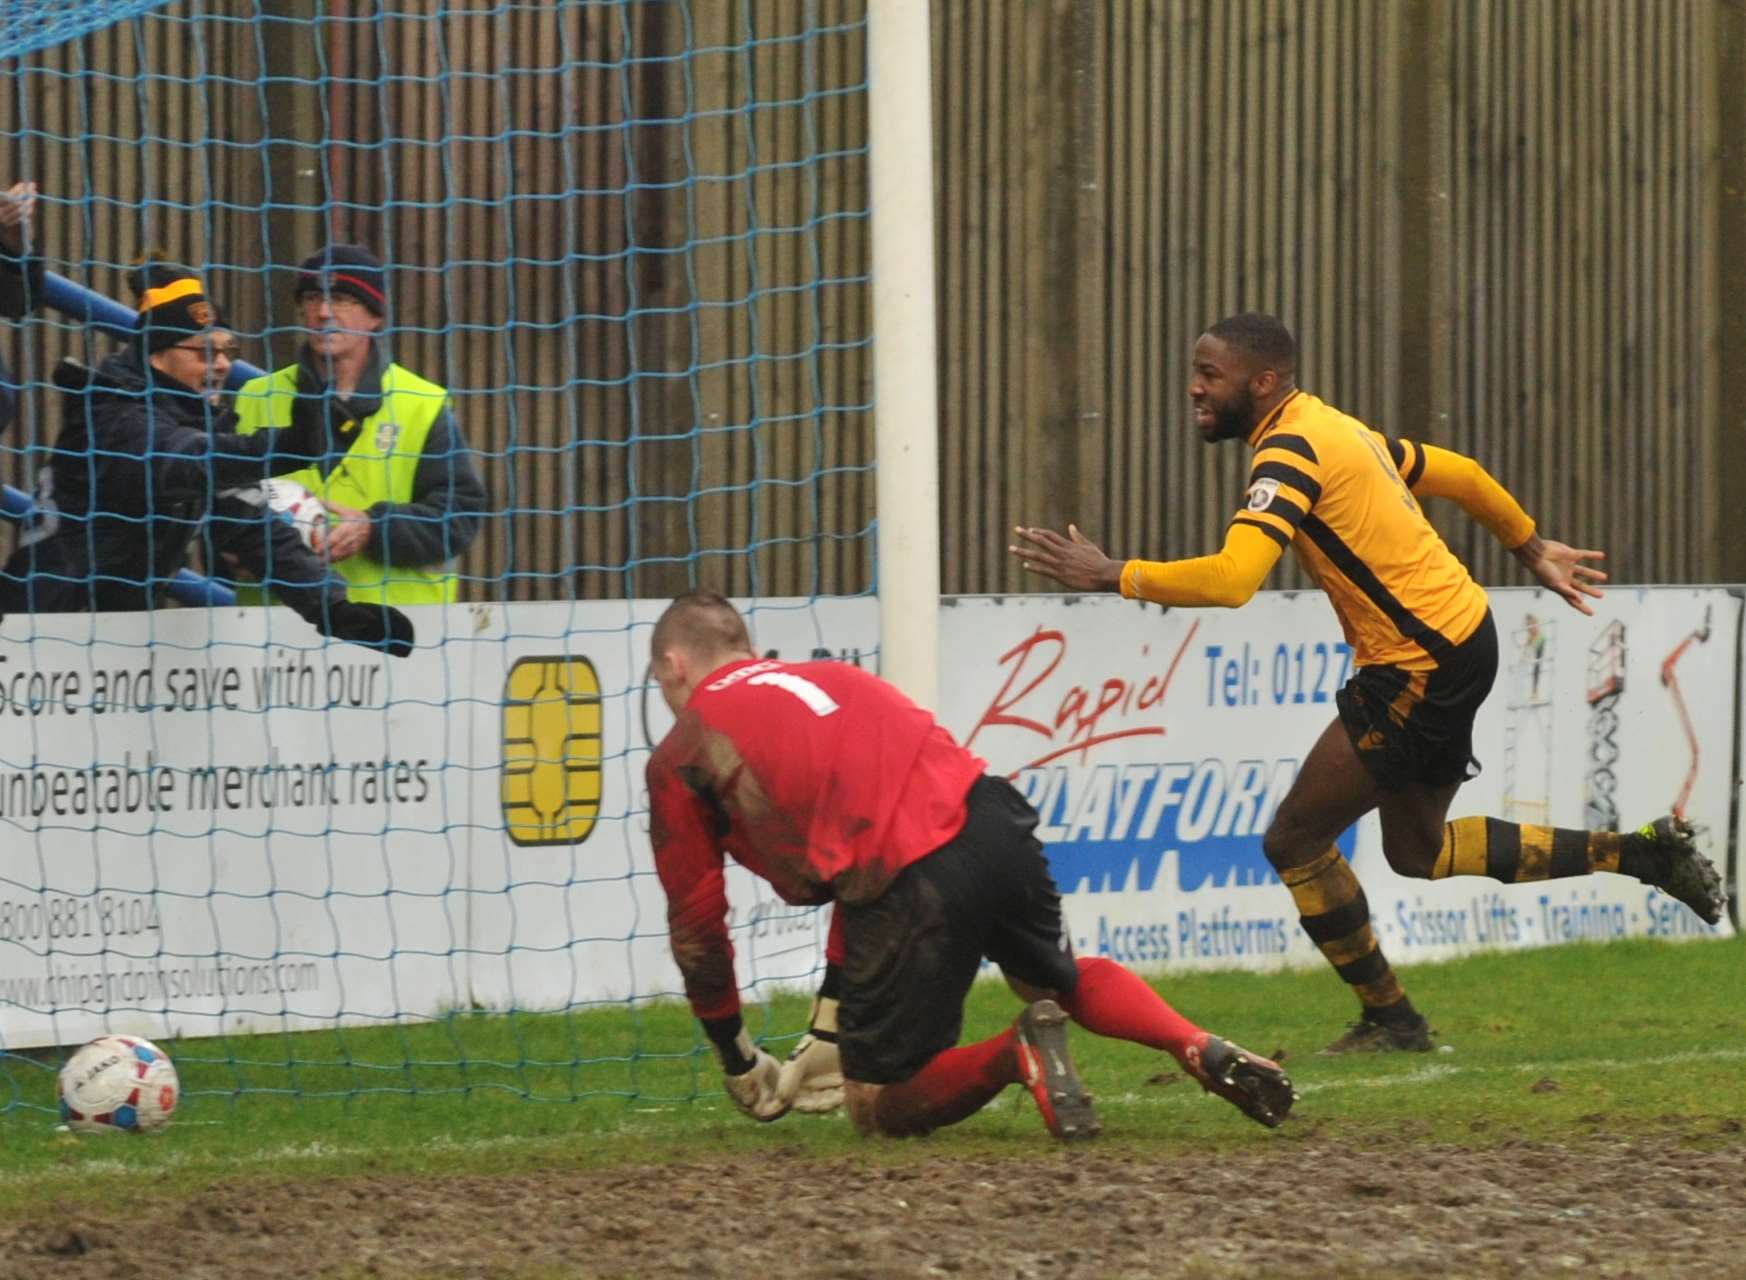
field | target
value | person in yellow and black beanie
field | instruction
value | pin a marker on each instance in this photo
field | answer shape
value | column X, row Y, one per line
column 173, row 305
column 179, row 332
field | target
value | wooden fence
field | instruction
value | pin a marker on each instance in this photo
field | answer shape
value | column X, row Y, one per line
column 632, row 239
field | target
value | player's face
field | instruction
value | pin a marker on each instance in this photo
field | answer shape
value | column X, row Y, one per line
column 1218, row 387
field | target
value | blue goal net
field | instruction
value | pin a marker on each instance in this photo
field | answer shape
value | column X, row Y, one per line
column 29, row 25
column 329, row 780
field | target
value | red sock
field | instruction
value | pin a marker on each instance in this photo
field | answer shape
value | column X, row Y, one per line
column 953, row 1086
column 1112, row 1001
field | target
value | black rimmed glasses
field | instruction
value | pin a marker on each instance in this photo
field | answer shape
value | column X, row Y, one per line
column 210, row 351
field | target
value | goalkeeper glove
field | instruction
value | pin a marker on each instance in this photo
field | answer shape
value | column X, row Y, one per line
column 812, row 1078
column 749, row 1073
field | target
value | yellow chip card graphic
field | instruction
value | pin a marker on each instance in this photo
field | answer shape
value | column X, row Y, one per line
column 551, row 750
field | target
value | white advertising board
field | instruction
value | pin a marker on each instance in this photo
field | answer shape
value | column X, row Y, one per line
column 210, row 819
column 1157, row 745
column 553, row 925
column 215, row 821
column 1736, row 855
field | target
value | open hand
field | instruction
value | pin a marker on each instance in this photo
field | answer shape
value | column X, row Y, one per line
column 1561, row 570
column 1073, row 560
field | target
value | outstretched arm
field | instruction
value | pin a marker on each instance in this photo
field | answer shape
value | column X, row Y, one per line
column 1441, row 473
column 1431, row 472
column 689, row 865
column 269, row 549
column 1226, row 579
column 17, row 203
column 20, row 267
column 172, row 460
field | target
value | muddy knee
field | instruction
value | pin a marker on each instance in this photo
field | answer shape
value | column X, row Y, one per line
column 862, row 1101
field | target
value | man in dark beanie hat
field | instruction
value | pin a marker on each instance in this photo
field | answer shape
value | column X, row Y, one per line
column 346, row 270
column 396, row 474
column 131, row 481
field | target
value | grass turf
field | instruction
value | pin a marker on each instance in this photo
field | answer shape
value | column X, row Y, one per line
column 1553, row 1044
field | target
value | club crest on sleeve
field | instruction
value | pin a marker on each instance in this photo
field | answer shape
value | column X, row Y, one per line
column 1261, row 494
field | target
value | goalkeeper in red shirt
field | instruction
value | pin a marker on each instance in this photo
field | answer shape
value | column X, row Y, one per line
column 830, row 784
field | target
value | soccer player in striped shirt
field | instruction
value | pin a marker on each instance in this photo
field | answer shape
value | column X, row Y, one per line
column 1346, row 498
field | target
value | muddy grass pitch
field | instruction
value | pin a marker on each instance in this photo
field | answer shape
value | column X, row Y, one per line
column 1646, row 1206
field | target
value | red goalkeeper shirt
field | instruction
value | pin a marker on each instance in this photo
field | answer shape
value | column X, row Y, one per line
column 820, row 777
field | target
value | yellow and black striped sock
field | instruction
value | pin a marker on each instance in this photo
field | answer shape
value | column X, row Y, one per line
column 1520, row 852
column 1336, row 915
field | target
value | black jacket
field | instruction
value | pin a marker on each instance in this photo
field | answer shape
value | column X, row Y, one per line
column 20, row 292
column 134, row 478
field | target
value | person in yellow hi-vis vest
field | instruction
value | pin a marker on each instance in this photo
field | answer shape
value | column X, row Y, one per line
column 403, row 494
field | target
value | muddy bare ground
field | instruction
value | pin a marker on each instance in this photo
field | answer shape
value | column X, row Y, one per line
column 1646, row 1206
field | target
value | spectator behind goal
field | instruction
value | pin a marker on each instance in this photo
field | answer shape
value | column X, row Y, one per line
column 392, row 468
column 143, row 448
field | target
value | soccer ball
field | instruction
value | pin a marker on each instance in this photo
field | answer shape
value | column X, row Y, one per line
column 291, row 501
column 118, row 1082
column 287, row 500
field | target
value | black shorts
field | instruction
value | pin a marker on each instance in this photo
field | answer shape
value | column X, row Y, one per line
column 1417, row 726
column 911, row 955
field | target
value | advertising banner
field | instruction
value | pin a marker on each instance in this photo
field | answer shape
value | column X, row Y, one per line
column 1158, row 744
column 553, row 924
column 211, row 819
column 215, row 821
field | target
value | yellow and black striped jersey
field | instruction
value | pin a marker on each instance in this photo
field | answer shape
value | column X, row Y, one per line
column 1329, row 485
column 1343, row 495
